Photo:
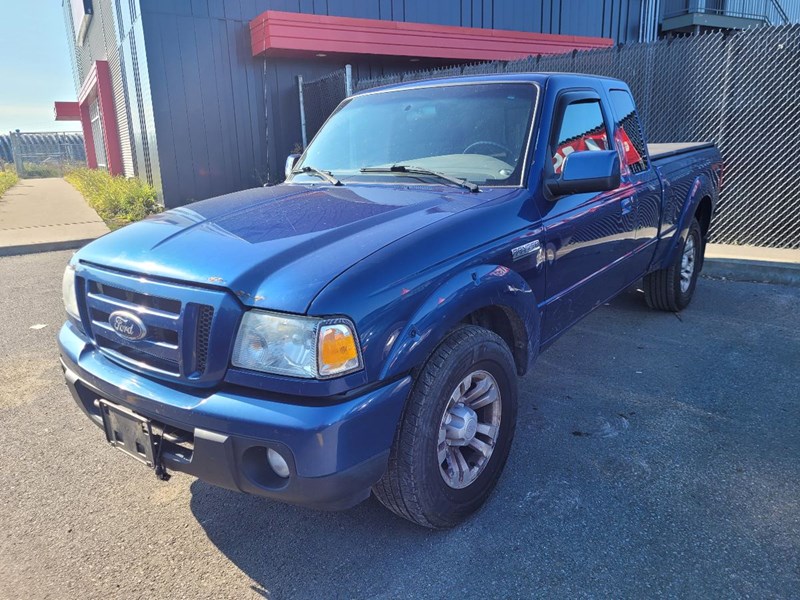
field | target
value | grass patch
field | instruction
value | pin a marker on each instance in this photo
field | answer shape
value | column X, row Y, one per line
column 8, row 177
column 117, row 200
column 39, row 170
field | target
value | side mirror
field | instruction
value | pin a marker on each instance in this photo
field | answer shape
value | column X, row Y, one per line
column 583, row 172
column 291, row 161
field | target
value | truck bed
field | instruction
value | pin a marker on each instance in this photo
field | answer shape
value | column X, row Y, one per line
column 680, row 167
column 657, row 151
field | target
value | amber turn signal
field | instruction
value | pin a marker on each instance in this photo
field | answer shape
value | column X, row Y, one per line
column 338, row 352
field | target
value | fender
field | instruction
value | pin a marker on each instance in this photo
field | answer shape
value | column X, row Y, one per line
column 468, row 291
column 701, row 187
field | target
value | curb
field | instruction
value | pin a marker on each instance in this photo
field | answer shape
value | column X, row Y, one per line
column 43, row 247
column 757, row 271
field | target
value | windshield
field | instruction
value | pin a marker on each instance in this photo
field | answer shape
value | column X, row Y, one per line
column 476, row 132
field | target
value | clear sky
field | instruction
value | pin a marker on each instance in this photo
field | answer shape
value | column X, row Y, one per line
column 35, row 68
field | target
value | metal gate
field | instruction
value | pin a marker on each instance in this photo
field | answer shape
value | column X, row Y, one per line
column 42, row 154
column 736, row 89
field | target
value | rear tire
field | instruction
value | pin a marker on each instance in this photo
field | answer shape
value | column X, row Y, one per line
column 447, row 457
column 671, row 289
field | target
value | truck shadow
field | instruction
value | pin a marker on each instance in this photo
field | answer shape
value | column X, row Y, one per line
column 291, row 551
column 631, row 300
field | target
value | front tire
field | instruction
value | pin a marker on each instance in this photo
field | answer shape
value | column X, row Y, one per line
column 455, row 434
column 671, row 289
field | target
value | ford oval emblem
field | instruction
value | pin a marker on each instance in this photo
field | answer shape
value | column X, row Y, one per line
column 127, row 325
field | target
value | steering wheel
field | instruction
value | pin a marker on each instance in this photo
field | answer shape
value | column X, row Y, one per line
column 506, row 150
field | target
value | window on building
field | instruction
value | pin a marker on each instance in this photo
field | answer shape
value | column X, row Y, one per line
column 582, row 129
column 97, row 135
column 629, row 131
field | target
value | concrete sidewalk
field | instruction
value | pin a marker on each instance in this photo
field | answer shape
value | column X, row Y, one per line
column 40, row 215
column 753, row 263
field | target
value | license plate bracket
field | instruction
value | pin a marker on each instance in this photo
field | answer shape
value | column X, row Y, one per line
column 129, row 432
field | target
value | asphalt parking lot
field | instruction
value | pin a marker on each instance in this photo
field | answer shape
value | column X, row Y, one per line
column 654, row 456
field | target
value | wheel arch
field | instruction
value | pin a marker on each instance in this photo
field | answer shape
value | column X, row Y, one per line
column 491, row 296
column 701, row 197
column 703, row 213
column 506, row 323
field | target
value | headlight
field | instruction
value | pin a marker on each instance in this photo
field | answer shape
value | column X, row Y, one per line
column 68, row 293
column 296, row 346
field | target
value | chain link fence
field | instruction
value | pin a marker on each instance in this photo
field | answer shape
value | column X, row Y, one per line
column 736, row 89
column 320, row 97
column 42, row 154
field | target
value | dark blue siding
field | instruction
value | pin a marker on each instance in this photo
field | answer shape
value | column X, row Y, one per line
column 225, row 120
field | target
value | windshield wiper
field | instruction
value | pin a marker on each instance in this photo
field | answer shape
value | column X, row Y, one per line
column 326, row 175
column 472, row 187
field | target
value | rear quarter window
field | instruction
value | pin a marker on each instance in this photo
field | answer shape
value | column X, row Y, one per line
column 629, row 136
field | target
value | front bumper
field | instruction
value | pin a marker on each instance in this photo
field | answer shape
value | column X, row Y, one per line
column 335, row 452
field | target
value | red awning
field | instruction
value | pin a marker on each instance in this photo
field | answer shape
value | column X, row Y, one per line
column 67, row 111
column 281, row 33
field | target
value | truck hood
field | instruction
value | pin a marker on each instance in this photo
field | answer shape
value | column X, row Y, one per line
column 277, row 247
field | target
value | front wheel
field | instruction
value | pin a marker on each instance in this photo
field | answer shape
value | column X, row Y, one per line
column 456, row 432
column 671, row 289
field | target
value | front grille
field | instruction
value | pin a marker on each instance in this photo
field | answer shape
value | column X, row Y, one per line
column 137, row 298
column 171, row 325
column 156, row 334
column 139, row 356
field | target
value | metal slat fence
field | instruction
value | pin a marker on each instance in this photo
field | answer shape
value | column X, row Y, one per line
column 736, row 89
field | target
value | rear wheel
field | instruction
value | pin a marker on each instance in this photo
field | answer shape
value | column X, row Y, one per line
column 671, row 289
column 456, row 432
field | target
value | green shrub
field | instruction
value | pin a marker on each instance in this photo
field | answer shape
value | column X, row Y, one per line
column 8, row 177
column 117, row 200
column 37, row 170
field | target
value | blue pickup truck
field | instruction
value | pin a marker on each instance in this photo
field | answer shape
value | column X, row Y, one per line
column 360, row 328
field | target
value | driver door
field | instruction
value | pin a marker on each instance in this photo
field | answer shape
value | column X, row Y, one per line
column 586, row 234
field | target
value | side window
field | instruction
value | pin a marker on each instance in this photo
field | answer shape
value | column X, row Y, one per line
column 629, row 137
column 581, row 130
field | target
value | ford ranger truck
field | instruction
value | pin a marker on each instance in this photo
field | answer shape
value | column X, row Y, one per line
column 360, row 328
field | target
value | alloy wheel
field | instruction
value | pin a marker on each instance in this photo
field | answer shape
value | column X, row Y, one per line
column 687, row 264
column 469, row 429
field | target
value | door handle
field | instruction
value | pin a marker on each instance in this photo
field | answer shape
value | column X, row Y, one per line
column 627, row 206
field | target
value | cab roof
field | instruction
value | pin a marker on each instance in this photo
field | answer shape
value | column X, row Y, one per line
column 566, row 79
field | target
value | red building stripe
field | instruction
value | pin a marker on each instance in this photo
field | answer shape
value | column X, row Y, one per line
column 279, row 33
column 97, row 85
column 105, row 98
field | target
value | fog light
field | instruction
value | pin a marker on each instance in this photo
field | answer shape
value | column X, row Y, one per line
column 278, row 463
